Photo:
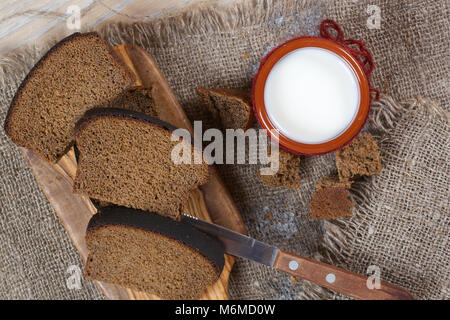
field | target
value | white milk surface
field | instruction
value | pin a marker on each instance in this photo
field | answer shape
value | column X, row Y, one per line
column 311, row 95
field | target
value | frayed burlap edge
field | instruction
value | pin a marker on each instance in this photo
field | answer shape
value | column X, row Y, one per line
column 202, row 20
column 334, row 248
column 171, row 28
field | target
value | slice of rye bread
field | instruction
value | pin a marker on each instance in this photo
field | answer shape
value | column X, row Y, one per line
column 232, row 108
column 360, row 158
column 125, row 159
column 137, row 99
column 331, row 199
column 80, row 72
column 288, row 175
column 151, row 253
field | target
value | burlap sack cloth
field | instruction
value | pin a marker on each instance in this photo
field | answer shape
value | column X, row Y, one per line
column 401, row 219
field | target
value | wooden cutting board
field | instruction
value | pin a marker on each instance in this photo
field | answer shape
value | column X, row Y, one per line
column 210, row 202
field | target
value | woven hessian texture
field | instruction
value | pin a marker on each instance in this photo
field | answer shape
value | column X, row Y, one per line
column 405, row 208
column 401, row 220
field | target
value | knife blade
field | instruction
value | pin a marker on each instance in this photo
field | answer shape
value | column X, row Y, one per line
column 322, row 274
column 236, row 244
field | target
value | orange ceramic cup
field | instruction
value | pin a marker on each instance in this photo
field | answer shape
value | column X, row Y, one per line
column 261, row 114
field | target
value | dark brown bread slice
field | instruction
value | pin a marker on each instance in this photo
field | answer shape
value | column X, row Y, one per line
column 137, row 99
column 232, row 108
column 125, row 159
column 288, row 175
column 78, row 73
column 331, row 199
column 330, row 203
column 359, row 158
column 151, row 253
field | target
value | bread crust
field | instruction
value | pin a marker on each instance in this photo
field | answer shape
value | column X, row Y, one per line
column 12, row 108
column 210, row 248
column 98, row 113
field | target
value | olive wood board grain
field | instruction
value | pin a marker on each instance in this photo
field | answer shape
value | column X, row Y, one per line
column 211, row 202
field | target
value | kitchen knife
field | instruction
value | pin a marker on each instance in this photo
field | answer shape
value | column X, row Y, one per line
column 322, row 274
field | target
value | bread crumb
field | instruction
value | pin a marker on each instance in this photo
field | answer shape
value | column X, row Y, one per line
column 293, row 279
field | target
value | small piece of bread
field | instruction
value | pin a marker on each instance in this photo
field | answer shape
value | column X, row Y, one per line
column 360, row 158
column 125, row 159
column 137, row 99
column 80, row 72
column 288, row 175
column 232, row 108
column 331, row 199
column 330, row 203
column 147, row 252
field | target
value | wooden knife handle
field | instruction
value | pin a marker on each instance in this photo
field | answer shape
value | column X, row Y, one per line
column 340, row 280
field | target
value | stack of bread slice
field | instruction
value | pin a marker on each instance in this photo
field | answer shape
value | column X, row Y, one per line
column 81, row 93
